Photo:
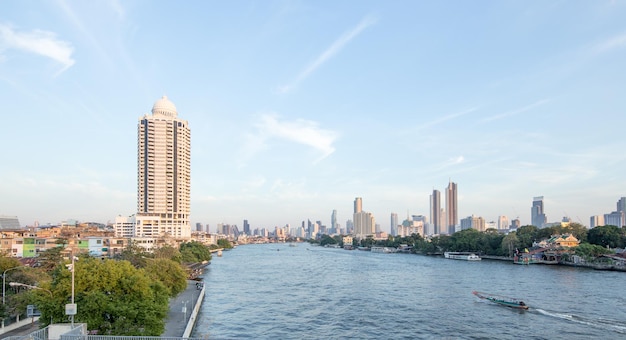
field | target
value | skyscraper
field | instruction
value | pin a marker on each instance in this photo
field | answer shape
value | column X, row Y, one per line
column 246, row 227
column 537, row 216
column 435, row 212
column 163, row 173
column 621, row 207
column 394, row 224
column 452, row 216
column 333, row 223
column 364, row 222
column 358, row 205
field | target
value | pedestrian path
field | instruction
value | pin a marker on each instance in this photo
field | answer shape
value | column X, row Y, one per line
column 183, row 310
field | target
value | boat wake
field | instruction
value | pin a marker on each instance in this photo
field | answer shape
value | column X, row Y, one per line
column 615, row 325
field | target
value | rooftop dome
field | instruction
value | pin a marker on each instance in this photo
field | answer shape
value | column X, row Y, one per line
column 164, row 107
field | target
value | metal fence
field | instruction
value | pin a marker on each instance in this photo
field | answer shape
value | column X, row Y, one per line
column 41, row 334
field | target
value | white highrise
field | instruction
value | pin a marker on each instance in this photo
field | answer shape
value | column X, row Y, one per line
column 163, row 173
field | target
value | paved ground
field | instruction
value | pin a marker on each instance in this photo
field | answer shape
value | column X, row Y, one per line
column 180, row 310
column 175, row 324
column 24, row 330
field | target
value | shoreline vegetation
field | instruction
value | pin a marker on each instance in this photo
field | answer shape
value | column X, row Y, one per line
column 573, row 245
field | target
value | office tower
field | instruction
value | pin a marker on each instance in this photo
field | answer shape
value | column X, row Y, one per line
column 537, row 216
column 621, row 207
column 334, row 227
column 198, row 226
column 596, row 221
column 435, row 211
column 394, row 224
column 246, row 227
column 163, row 173
column 358, row 205
column 503, row 222
column 364, row 222
column 452, row 218
column 615, row 218
column 516, row 223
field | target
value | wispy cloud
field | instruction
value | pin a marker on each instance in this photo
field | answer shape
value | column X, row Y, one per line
column 39, row 42
column 445, row 118
column 329, row 53
column 515, row 112
column 300, row 131
column 610, row 44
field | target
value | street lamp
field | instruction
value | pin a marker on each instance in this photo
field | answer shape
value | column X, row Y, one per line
column 18, row 284
column 4, row 283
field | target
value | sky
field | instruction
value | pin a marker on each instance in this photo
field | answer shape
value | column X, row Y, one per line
column 298, row 107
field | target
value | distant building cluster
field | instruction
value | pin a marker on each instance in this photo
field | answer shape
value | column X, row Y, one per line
column 163, row 207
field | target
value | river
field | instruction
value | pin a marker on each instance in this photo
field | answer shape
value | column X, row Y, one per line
column 274, row 291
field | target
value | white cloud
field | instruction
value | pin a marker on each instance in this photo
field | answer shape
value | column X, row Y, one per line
column 300, row 131
column 39, row 42
column 329, row 52
column 445, row 118
column 515, row 112
column 611, row 43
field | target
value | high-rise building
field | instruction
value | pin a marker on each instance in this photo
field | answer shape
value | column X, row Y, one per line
column 452, row 216
column 394, row 224
column 358, row 205
column 503, row 222
column 364, row 222
column 621, row 207
column 435, row 212
column 163, row 173
column 537, row 216
column 615, row 218
column 596, row 221
column 333, row 222
column 246, row 227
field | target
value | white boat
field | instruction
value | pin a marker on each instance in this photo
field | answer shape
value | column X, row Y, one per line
column 385, row 250
column 461, row 256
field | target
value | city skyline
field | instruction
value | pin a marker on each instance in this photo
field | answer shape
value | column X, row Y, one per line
column 299, row 107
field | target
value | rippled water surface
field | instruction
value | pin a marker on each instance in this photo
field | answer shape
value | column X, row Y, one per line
column 273, row 291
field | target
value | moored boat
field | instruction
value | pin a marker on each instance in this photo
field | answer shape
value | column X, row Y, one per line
column 502, row 300
column 461, row 256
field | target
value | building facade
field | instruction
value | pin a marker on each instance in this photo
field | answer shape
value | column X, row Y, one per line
column 537, row 215
column 435, row 212
column 163, row 173
column 452, row 216
column 394, row 224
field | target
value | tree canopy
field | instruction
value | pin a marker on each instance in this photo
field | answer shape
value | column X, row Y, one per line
column 114, row 298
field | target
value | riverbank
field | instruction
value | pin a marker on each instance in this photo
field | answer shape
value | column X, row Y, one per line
column 183, row 310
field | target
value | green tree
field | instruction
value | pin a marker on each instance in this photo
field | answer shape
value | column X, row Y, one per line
column 135, row 254
column 195, row 251
column 224, row 243
column 607, row 235
column 526, row 235
column 168, row 252
column 114, row 298
column 50, row 258
column 590, row 251
column 169, row 272
column 326, row 239
column 509, row 243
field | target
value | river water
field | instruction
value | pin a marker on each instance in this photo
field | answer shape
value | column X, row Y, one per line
column 274, row 291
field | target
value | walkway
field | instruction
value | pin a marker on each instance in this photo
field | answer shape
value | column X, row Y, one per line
column 180, row 310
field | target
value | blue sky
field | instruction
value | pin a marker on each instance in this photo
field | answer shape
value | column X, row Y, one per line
column 298, row 107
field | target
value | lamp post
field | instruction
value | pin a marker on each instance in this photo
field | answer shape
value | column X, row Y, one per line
column 18, row 284
column 4, row 283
